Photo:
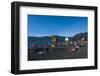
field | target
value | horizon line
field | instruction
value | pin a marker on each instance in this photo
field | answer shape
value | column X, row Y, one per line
column 57, row 35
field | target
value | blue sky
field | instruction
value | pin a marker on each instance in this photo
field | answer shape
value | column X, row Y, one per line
column 46, row 25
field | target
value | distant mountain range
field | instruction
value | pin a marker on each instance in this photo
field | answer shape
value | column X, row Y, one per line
column 74, row 38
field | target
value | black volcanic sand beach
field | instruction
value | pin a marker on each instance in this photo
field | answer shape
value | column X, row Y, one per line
column 61, row 53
